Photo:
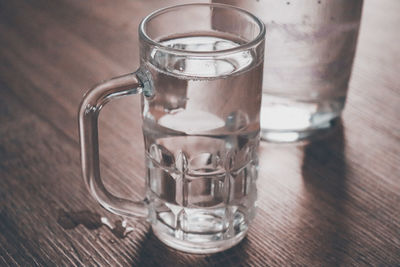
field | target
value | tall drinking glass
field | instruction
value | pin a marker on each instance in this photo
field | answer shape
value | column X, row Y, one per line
column 200, row 84
column 310, row 50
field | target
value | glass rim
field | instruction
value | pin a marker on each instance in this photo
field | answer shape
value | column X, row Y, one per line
column 245, row 46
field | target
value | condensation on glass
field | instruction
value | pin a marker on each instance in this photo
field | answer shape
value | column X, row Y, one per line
column 310, row 46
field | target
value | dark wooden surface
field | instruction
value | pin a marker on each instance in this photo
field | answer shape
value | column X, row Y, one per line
column 335, row 202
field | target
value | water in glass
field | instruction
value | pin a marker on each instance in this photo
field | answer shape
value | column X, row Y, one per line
column 201, row 135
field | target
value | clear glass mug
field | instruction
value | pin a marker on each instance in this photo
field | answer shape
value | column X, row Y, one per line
column 311, row 46
column 200, row 85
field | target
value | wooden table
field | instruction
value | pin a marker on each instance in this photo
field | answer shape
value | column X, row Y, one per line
column 334, row 202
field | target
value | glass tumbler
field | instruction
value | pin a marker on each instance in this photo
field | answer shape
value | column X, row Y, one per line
column 310, row 50
column 200, row 84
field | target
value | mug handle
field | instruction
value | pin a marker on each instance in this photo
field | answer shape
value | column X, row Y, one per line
column 92, row 103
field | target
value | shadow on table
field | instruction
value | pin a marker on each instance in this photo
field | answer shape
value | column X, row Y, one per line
column 324, row 227
column 91, row 220
column 155, row 253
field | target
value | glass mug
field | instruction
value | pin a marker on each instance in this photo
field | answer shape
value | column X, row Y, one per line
column 200, row 85
column 311, row 46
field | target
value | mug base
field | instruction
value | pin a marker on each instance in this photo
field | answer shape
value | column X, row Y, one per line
column 198, row 247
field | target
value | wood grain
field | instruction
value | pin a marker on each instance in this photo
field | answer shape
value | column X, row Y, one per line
column 334, row 202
